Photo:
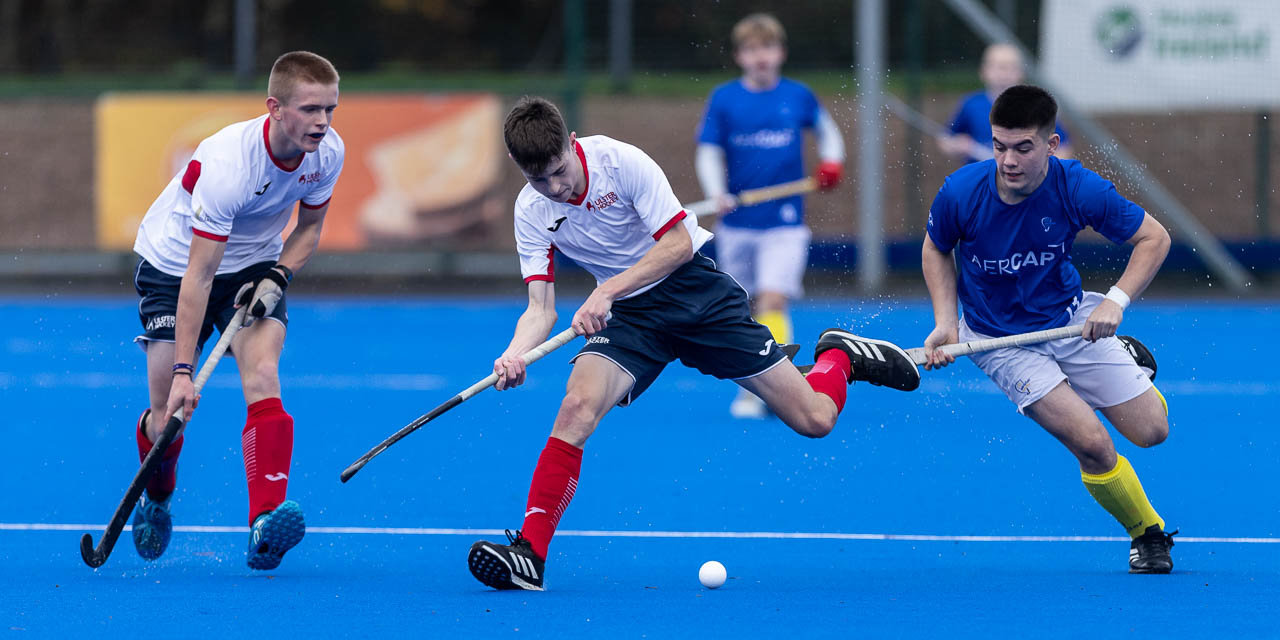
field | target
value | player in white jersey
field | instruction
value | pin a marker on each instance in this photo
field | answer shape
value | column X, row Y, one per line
column 609, row 207
column 211, row 244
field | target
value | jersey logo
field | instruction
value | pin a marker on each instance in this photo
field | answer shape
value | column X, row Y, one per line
column 603, row 201
column 1046, row 222
column 263, row 189
column 309, row 178
column 559, row 222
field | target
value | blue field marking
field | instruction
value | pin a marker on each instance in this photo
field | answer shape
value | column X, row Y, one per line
column 939, row 511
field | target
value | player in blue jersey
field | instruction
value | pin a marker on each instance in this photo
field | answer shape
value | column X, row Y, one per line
column 752, row 136
column 1002, row 67
column 1000, row 234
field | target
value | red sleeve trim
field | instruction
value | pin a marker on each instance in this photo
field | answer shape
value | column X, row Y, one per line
column 550, row 276
column 670, row 223
column 209, row 236
column 191, row 176
column 315, row 206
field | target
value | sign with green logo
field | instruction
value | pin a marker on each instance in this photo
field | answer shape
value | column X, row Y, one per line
column 1163, row 55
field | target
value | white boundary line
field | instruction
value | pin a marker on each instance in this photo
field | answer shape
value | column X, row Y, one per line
column 739, row 535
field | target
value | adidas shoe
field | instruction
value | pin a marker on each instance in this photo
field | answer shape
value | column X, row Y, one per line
column 507, row 566
column 152, row 527
column 1141, row 355
column 274, row 533
column 876, row 361
column 1149, row 552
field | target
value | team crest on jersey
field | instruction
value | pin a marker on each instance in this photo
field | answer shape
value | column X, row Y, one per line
column 309, row 178
column 603, row 201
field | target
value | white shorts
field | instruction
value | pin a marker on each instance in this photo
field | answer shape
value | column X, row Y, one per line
column 770, row 260
column 1102, row 372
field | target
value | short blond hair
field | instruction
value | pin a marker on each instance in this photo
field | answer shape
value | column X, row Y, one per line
column 758, row 26
column 295, row 67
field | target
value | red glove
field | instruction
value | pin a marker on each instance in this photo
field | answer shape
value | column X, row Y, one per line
column 829, row 174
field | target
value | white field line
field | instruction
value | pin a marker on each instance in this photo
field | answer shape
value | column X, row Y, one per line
column 737, row 535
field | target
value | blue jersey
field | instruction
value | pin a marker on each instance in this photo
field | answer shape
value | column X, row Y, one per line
column 1013, row 262
column 973, row 118
column 762, row 134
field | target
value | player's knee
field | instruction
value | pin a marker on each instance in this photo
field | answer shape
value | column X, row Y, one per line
column 817, row 424
column 1096, row 451
column 261, row 377
column 1155, row 435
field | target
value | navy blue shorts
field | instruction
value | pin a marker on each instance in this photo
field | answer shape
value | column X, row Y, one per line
column 158, row 308
column 698, row 315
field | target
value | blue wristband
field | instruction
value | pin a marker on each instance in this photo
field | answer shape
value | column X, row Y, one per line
column 183, row 367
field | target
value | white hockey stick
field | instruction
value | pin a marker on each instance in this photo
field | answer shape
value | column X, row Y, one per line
column 920, row 356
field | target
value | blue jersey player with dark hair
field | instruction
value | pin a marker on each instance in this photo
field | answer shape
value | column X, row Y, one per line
column 752, row 136
column 1000, row 235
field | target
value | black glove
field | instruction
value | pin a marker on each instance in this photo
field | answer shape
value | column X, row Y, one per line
column 262, row 295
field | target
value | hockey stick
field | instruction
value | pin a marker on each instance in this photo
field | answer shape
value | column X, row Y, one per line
column 923, row 124
column 96, row 557
column 756, row 196
column 920, row 356
column 531, row 356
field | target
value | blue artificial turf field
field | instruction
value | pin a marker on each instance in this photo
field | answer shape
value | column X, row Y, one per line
column 940, row 512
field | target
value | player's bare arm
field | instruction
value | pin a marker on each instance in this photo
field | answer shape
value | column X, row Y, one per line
column 193, row 297
column 532, row 328
column 673, row 249
column 940, row 278
column 1150, row 246
column 302, row 242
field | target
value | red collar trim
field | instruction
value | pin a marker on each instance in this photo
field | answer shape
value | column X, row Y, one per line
column 582, row 157
column 266, row 140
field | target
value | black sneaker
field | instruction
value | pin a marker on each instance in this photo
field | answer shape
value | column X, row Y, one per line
column 507, row 566
column 1141, row 355
column 876, row 361
column 1149, row 552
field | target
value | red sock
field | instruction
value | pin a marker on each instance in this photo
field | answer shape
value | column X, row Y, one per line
column 166, row 478
column 268, row 445
column 830, row 376
column 554, row 481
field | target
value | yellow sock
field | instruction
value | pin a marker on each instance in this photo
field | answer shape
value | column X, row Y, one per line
column 1162, row 401
column 778, row 323
column 1120, row 493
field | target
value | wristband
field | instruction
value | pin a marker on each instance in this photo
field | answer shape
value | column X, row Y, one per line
column 1118, row 296
column 183, row 367
column 288, row 273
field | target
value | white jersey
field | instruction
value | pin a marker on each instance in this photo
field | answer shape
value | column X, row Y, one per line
column 627, row 206
column 234, row 190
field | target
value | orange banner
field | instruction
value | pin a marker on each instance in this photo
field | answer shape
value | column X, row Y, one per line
column 418, row 169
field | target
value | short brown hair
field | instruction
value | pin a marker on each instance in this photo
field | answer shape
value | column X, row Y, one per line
column 759, row 26
column 535, row 133
column 298, row 66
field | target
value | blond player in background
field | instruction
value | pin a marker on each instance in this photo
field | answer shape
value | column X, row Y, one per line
column 752, row 136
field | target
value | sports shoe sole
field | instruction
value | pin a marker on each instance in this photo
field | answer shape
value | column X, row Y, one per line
column 489, row 567
column 282, row 531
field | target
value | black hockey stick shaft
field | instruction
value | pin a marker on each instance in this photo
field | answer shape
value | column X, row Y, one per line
column 96, row 557
column 555, row 342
